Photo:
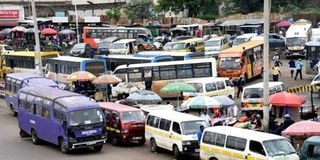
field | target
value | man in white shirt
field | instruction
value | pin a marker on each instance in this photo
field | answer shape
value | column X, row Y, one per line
column 205, row 117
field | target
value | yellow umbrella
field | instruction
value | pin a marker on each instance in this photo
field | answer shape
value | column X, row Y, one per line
column 106, row 79
column 81, row 76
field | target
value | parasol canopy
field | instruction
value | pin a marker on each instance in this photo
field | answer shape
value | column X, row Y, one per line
column 67, row 32
column 5, row 32
column 144, row 97
column 283, row 24
column 48, row 31
column 177, row 88
column 302, row 129
column 18, row 29
column 106, row 79
column 225, row 101
column 81, row 76
column 177, row 29
column 29, row 30
column 286, row 99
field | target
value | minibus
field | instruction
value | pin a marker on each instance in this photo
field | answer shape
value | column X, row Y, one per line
column 63, row 118
column 15, row 81
column 224, row 142
column 123, row 123
column 173, row 131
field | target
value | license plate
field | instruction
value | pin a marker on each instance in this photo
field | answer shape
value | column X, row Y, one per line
column 137, row 138
column 197, row 150
column 91, row 143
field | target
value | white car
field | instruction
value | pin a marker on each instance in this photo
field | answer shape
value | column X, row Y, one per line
column 316, row 80
column 5, row 49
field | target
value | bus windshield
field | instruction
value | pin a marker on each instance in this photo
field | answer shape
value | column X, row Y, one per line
column 84, row 117
column 238, row 41
column 191, row 127
column 278, row 147
column 253, row 93
column 212, row 43
column 230, row 63
column 295, row 41
column 134, row 116
column 178, row 46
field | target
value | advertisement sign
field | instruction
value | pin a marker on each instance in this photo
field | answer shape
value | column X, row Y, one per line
column 9, row 13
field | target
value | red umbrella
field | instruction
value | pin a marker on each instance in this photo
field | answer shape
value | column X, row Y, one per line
column 48, row 31
column 303, row 128
column 283, row 24
column 286, row 99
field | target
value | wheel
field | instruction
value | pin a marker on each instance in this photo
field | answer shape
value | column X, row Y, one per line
column 213, row 158
column 140, row 48
column 114, row 141
column 153, row 146
column 12, row 111
column 230, row 96
column 34, row 137
column 142, row 142
column 63, row 147
column 176, row 153
column 98, row 148
column 23, row 134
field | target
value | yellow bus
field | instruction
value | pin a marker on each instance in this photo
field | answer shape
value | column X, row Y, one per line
column 23, row 61
column 184, row 45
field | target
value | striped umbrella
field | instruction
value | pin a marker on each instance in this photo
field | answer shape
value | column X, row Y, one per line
column 81, row 76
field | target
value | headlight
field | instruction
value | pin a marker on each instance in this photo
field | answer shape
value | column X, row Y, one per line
column 72, row 140
column 186, row 143
column 103, row 136
column 125, row 131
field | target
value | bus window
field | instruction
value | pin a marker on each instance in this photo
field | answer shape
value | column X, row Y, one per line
column 37, row 106
column 220, row 85
column 184, row 71
column 202, row 70
column 211, row 87
column 29, row 103
column 59, row 112
column 22, row 100
column 13, row 86
column 167, row 72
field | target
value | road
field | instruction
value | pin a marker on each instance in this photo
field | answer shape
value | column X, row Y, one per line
column 12, row 147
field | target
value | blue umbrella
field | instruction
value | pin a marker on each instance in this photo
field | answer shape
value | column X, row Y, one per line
column 225, row 101
column 5, row 31
column 144, row 97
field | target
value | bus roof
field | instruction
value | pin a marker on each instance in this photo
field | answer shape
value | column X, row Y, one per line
column 117, row 107
column 133, row 57
column 236, row 51
column 22, row 76
column 190, row 40
column 175, row 116
column 170, row 53
column 260, row 85
column 216, row 38
column 125, row 41
column 71, row 59
column 191, row 61
column 31, row 53
column 70, row 100
column 239, row 132
column 208, row 80
column 33, row 79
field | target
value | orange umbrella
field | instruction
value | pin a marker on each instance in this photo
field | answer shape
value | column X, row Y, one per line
column 106, row 79
column 81, row 76
column 48, row 31
column 286, row 99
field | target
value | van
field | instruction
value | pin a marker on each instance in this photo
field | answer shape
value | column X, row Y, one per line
column 173, row 131
column 243, row 38
column 105, row 44
column 214, row 45
column 124, row 124
column 224, row 142
column 211, row 87
column 5, row 49
column 185, row 45
column 252, row 96
column 124, row 46
column 310, row 149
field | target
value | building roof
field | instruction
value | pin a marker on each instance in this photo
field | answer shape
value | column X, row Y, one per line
column 117, row 107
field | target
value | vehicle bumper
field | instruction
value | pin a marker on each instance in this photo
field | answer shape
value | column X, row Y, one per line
column 87, row 144
column 131, row 138
column 295, row 52
column 190, row 149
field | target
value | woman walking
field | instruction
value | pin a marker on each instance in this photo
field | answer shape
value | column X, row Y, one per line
column 276, row 72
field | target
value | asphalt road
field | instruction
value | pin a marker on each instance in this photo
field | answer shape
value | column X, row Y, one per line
column 12, row 147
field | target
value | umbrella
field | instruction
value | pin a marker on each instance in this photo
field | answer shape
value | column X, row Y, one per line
column 286, row 99
column 81, row 76
column 18, row 29
column 29, row 30
column 177, row 88
column 303, row 128
column 125, row 87
column 177, row 29
column 106, row 79
column 224, row 101
column 144, row 97
column 5, row 32
column 201, row 102
column 67, row 32
column 283, row 24
column 48, row 31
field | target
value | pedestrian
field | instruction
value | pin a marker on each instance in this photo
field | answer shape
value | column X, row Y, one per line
column 299, row 66
column 200, row 132
column 148, row 83
column 240, row 86
column 292, row 66
column 276, row 72
column 192, row 48
column 109, row 92
column 276, row 58
column 205, row 117
column 92, row 52
column 287, row 121
column 98, row 96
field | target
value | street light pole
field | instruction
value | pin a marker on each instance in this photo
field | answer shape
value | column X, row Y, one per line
column 37, row 56
column 77, row 25
column 266, row 30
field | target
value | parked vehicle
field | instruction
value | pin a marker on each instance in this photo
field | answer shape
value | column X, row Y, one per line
column 184, row 45
column 124, row 123
column 124, row 46
column 60, row 117
column 181, row 38
column 15, row 81
column 80, row 50
column 214, row 45
column 173, row 131
column 156, row 107
column 5, row 49
column 275, row 40
column 224, row 142
column 310, row 149
column 105, row 45
column 243, row 38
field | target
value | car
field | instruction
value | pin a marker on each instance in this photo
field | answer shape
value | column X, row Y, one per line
column 157, row 42
column 316, row 80
column 181, row 38
column 5, row 49
column 243, row 38
column 105, row 44
column 275, row 40
column 80, row 50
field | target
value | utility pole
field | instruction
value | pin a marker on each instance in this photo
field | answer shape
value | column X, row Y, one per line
column 77, row 23
column 37, row 56
column 266, row 30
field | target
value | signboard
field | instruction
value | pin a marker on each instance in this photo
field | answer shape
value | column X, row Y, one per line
column 9, row 13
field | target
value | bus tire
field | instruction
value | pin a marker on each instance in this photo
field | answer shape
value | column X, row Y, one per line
column 213, row 158
column 153, row 145
column 230, row 96
column 98, row 148
column 12, row 111
column 34, row 137
column 176, row 152
column 114, row 141
column 63, row 148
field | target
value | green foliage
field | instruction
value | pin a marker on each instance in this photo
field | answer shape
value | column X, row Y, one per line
column 114, row 13
column 139, row 9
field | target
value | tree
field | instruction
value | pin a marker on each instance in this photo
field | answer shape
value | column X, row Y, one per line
column 139, row 9
column 195, row 8
column 114, row 13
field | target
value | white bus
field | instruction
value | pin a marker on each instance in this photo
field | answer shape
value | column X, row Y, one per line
column 297, row 35
column 162, row 73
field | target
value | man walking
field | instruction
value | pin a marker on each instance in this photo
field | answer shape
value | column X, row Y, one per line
column 240, row 86
column 292, row 67
column 299, row 65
